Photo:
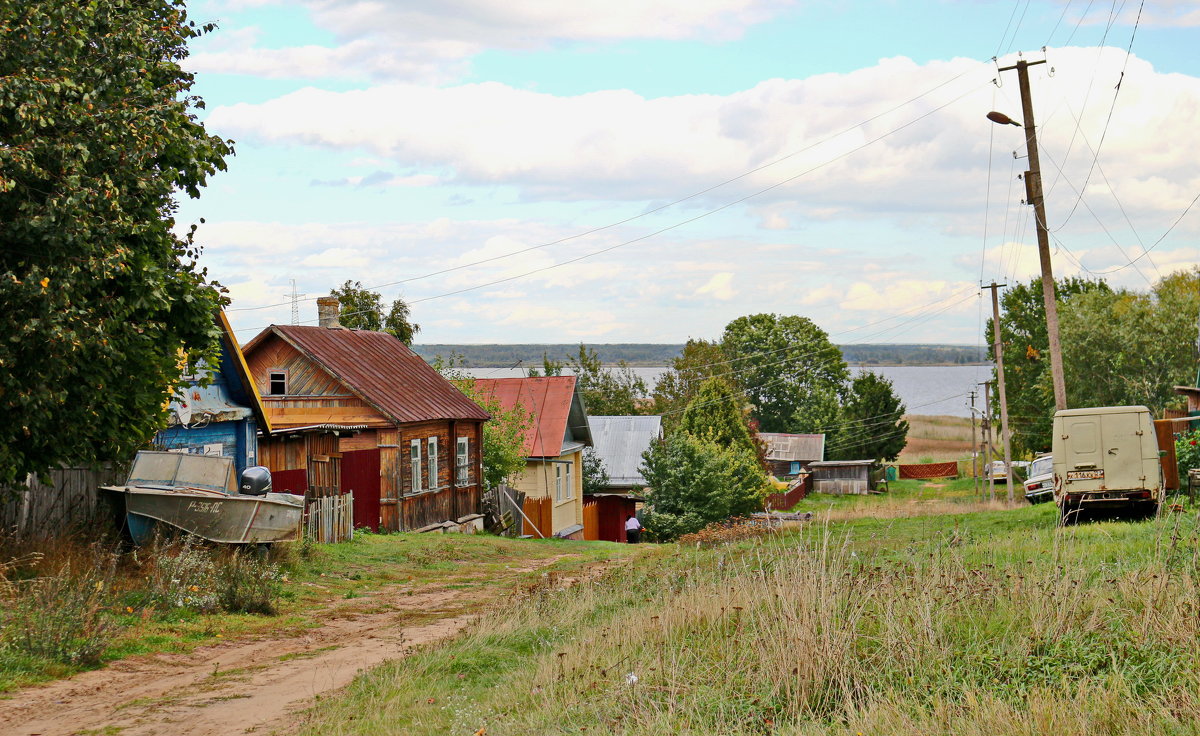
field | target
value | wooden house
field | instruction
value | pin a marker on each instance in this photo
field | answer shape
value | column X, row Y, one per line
column 355, row 410
column 223, row 417
column 788, row 455
column 553, row 477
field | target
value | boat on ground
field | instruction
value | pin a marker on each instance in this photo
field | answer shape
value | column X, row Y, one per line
column 198, row 494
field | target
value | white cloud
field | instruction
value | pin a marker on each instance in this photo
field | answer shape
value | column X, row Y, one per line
column 719, row 286
column 616, row 145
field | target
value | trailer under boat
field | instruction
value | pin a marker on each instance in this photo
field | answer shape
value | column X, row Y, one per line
column 197, row 494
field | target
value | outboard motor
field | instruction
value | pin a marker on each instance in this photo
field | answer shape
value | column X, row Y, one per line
column 256, row 481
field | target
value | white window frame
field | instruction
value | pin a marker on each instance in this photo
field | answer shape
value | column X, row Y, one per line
column 414, row 461
column 568, row 482
column 463, row 460
column 558, row 482
column 432, row 460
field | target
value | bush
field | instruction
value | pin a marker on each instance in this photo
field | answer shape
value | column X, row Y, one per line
column 695, row 482
column 1187, row 453
column 188, row 575
column 246, row 584
column 62, row 617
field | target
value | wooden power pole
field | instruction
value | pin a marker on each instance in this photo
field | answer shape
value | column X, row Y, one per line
column 998, row 349
column 1033, row 196
column 987, row 440
column 974, row 447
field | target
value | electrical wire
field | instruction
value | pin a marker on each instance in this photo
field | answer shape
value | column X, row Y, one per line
column 653, row 210
column 679, row 224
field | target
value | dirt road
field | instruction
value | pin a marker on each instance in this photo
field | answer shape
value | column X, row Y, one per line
column 251, row 685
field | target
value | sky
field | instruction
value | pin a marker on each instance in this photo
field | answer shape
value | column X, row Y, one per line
column 539, row 171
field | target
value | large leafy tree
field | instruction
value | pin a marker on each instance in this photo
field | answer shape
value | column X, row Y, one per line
column 1026, row 357
column 102, row 299
column 676, row 387
column 362, row 309
column 1131, row 348
column 716, row 413
column 872, row 424
column 782, row 362
column 693, row 481
column 607, row 391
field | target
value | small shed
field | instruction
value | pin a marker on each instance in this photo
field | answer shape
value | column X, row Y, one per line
column 841, row 477
column 620, row 442
column 789, row 455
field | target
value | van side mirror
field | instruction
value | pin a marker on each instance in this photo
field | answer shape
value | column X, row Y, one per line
column 256, row 481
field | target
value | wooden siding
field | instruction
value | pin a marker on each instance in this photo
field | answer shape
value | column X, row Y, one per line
column 365, row 440
column 305, row 377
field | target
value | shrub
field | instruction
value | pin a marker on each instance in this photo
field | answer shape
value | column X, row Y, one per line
column 1187, row 453
column 62, row 617
column 247, row 584
column 188, row 575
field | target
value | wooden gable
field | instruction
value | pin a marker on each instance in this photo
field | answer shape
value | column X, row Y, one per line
column 313, row 396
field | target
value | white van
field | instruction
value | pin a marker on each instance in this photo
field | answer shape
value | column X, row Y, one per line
column 1106, row 458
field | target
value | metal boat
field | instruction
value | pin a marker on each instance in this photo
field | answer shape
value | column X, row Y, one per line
column 197, row 494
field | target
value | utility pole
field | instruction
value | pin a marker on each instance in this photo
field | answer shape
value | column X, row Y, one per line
column 974, row 447
column 1033, row 196
column 998, row 348
column 987, row 439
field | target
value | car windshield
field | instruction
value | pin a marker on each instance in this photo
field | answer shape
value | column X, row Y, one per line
column 1041, row 466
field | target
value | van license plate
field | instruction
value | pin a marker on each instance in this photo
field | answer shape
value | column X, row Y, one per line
column 1085, row 474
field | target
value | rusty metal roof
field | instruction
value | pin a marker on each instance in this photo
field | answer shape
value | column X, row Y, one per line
column 554, row 404
column 381, row 370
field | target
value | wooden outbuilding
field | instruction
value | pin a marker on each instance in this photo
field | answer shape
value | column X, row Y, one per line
column 841, row 477
column 359, row 411
column 788, row 455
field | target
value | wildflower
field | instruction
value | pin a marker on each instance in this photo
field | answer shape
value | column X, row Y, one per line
column 631, row 679
column 128, row 609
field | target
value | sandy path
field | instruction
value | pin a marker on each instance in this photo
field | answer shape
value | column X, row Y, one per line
column 251, row 685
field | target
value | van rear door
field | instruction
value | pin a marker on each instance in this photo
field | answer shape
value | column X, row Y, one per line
column 1122, row 443
column 1083, row 457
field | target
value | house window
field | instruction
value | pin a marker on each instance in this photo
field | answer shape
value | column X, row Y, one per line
column 414, row 453
column 433, row 462
column 558, row 482
column 278, row 383
column 462, row 461
column 568, row 482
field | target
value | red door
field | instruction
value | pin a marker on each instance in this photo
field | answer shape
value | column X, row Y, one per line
column 360, row 474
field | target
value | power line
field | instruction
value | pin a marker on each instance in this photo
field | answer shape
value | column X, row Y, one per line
column 676, row 225
column 662, row 207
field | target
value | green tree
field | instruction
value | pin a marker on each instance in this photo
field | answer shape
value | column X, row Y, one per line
column 699, row 361
column 595, row 475
column 550, row 367
column 362, row 309
column 503, row 435
column 607, row 391
column 1131, row 348
column 102, row 300
column 1026, row 358
column 693, row 482
column 872, row 423
column 716, row 413
column 779, row 362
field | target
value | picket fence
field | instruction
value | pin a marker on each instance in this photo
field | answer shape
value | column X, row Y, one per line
column 330, row 519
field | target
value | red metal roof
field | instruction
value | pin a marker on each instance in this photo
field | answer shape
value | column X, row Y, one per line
column 547, row 399
column 381, row 370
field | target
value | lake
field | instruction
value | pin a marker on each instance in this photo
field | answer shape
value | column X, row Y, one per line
column 933, row 389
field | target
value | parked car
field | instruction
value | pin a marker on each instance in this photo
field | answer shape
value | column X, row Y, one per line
column 1039, row 487
column 995, row 471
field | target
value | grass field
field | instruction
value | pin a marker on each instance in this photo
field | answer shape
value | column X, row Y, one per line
column 929, row 622
column 72, row 605
column 937, row 438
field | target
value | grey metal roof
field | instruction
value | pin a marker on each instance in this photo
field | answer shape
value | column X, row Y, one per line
column 620, row 442
column 794, row 447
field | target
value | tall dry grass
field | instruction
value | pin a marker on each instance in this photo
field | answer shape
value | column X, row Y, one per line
column 813, row 635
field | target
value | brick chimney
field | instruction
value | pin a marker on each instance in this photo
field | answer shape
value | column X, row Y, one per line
column 327, row 313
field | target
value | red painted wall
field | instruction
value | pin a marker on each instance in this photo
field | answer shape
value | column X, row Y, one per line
column 289, row 481
column 613, row 510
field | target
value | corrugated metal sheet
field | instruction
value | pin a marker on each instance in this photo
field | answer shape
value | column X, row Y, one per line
column 548, row 399
column 381, row 370
column 620, row 442
column 794, row 447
